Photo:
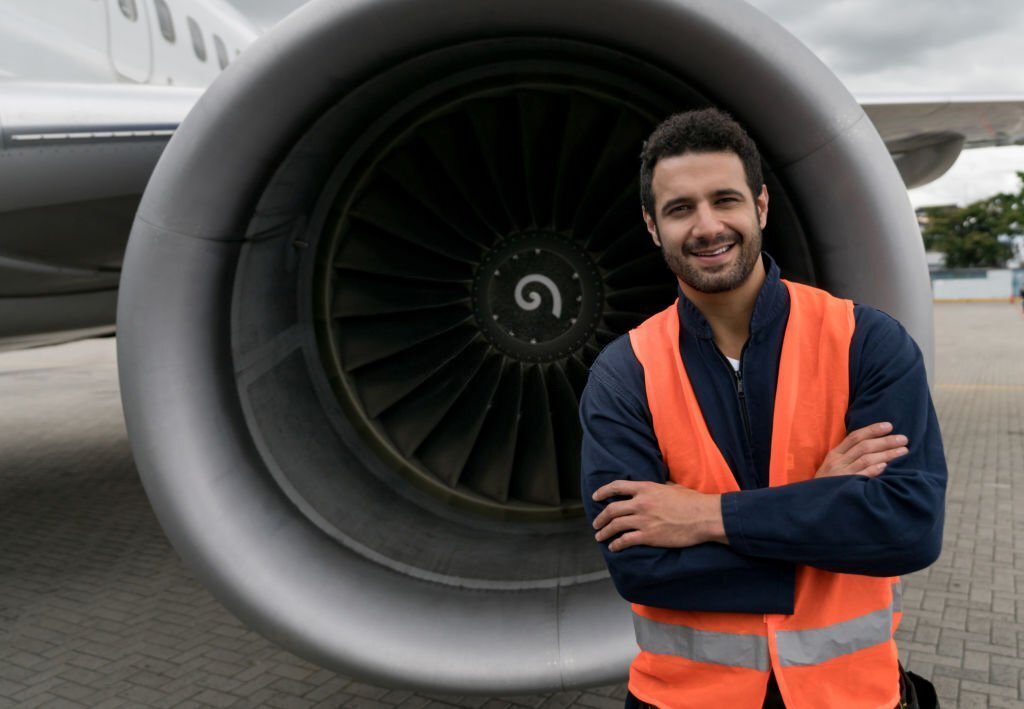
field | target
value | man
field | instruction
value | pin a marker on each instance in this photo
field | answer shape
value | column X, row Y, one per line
column 758, row 540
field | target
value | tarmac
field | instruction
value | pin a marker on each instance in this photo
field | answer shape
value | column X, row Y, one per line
column 97, row 610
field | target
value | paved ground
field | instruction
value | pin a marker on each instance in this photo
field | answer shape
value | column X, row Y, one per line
column 96, row 610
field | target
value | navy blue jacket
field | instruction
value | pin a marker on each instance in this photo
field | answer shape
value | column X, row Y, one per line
column 883, row 526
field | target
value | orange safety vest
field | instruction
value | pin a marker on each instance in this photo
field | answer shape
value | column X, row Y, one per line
column 836, row 650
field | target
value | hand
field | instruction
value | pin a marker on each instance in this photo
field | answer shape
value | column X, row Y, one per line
column 865, row 451
column 657, row 515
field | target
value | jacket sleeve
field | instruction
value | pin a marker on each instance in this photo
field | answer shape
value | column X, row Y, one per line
column 882, row 526
column 619, row 444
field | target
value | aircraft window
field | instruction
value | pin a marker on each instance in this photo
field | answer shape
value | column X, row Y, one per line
column 222, row 51
column 198, row 45
column 163, row 16
column 129, row 9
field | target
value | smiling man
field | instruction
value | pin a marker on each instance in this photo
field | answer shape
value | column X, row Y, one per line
column 760, row 461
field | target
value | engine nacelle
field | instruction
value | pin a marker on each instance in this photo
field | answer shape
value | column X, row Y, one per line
column 367, row 278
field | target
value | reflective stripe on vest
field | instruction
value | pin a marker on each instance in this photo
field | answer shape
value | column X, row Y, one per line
column 796, row 647
column 812, row 647
column 731, row 649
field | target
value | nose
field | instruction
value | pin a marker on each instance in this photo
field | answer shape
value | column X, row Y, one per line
column 706, row 222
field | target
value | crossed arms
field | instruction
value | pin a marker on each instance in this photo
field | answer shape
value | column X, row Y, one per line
column 671, row 516
column 874, row 507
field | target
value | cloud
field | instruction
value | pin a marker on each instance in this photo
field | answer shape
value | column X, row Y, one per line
column 977, row 174
column 878, row 46
column 952, row 47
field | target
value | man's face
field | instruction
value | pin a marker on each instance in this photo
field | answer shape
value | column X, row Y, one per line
column 706, row 221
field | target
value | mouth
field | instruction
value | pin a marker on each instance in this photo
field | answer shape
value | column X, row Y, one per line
column 713, row 255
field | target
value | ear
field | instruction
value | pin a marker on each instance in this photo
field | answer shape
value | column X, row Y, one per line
column 761, row 203
column 652, row 228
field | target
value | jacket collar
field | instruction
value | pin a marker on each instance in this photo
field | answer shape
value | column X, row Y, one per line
column 772, row 301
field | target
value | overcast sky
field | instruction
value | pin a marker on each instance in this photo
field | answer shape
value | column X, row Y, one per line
column 888, row 46
column 923, row 46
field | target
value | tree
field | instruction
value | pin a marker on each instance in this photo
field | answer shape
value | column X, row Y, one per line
column 978, row 235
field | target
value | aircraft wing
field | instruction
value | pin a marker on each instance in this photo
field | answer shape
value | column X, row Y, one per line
column 74, row 161
column 925, row 134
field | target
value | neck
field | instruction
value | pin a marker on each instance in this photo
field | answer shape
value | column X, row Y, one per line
column 728, row 313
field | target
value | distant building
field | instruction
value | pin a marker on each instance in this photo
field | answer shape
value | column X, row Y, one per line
column 973, row 284
column 936, row 260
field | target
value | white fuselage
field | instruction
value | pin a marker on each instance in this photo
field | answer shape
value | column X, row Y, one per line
column 165, row 42
column 86, row 108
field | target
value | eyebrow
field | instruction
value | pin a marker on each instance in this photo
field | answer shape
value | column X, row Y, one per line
column 724, row 192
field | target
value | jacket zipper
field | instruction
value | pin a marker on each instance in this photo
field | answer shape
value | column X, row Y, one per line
column 741, row 397
column 741, row 400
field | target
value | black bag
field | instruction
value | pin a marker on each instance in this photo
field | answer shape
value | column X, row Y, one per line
column 919, row 692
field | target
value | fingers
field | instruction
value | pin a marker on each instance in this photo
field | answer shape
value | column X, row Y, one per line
column 875, row 445
column 618, row 521
column 622, row 532
column 617, row 488
column 627, row 489
column 875, row 430
column 626, row 541
column 612, row 511
column 870, row 453
column 865, row 451
column 629, row 539
column 616, row 527
column 878, row 461
column 873, row 471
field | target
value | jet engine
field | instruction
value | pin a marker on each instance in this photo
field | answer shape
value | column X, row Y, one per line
column 368, row 276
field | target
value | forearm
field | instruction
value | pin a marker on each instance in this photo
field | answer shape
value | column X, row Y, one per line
column 882, row 527
column 707, row 577
column 679, row 566
column 654, row 514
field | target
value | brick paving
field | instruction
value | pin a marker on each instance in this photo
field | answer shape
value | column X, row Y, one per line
column 964, row 621
column 96, row 610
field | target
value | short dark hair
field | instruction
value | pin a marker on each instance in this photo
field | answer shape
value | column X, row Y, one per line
column 708, row 130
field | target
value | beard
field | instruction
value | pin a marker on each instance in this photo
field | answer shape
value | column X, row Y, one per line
column 715, row 279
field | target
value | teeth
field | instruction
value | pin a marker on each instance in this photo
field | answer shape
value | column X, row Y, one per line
column 716, row 252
